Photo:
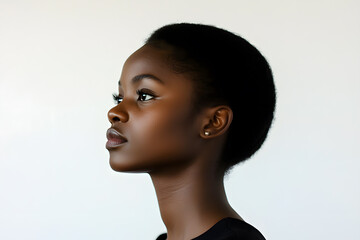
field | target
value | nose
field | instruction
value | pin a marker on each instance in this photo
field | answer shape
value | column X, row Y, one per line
column 116, row 114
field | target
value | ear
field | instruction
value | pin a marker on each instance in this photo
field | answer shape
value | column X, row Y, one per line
column 216, row 121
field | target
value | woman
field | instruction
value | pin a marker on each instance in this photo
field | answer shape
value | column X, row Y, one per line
column 193, row 102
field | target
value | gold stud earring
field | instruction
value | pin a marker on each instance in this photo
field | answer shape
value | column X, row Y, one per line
column 207, row 133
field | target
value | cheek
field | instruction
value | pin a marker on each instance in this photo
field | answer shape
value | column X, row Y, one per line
column 160, row 138
column 163, row 130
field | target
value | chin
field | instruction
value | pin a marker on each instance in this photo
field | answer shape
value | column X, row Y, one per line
column 126, row 167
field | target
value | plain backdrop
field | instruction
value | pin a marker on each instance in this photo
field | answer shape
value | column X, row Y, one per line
column 59, row 65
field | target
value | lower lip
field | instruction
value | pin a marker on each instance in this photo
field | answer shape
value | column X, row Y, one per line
column 114, row 143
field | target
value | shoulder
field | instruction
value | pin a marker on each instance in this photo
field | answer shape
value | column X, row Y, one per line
column 231, row 229
column 227, row 229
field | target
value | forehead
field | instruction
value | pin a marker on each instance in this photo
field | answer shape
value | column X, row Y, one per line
column 148, row 60
column 176, row 88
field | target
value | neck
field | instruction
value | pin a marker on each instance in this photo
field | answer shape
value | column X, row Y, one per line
column 190, row 201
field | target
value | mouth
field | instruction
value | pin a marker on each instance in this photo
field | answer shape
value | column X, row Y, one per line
column 115, row 139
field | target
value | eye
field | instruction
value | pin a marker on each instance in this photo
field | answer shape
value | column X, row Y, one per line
column 145, row 95
column 117, row 98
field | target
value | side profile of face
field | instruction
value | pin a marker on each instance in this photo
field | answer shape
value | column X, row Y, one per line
column 155, row 115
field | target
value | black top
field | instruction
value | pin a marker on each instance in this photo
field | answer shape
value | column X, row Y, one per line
column 227, row 229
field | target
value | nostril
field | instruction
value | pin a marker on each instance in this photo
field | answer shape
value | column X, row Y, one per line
column 117, row 115
column 116, row 119
column 112, row 116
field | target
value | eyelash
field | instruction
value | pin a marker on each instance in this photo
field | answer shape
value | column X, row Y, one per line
column 118, row 99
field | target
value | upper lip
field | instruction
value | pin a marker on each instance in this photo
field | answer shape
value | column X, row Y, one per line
column 113, row 133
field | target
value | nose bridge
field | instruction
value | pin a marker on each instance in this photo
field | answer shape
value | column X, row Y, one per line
column 118, row 113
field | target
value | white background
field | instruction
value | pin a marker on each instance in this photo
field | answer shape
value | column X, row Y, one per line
column 60, row 62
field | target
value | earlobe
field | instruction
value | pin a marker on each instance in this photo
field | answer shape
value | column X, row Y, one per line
column 217, row 121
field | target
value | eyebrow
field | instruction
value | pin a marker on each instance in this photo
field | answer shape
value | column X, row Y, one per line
column 140, row 77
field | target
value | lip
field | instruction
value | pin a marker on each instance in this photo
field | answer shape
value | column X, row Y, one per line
column 115, row 139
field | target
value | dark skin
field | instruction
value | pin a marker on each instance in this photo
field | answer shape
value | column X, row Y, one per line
column 166, row 139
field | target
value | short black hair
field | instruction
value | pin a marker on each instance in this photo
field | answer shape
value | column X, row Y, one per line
column 226, row 69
